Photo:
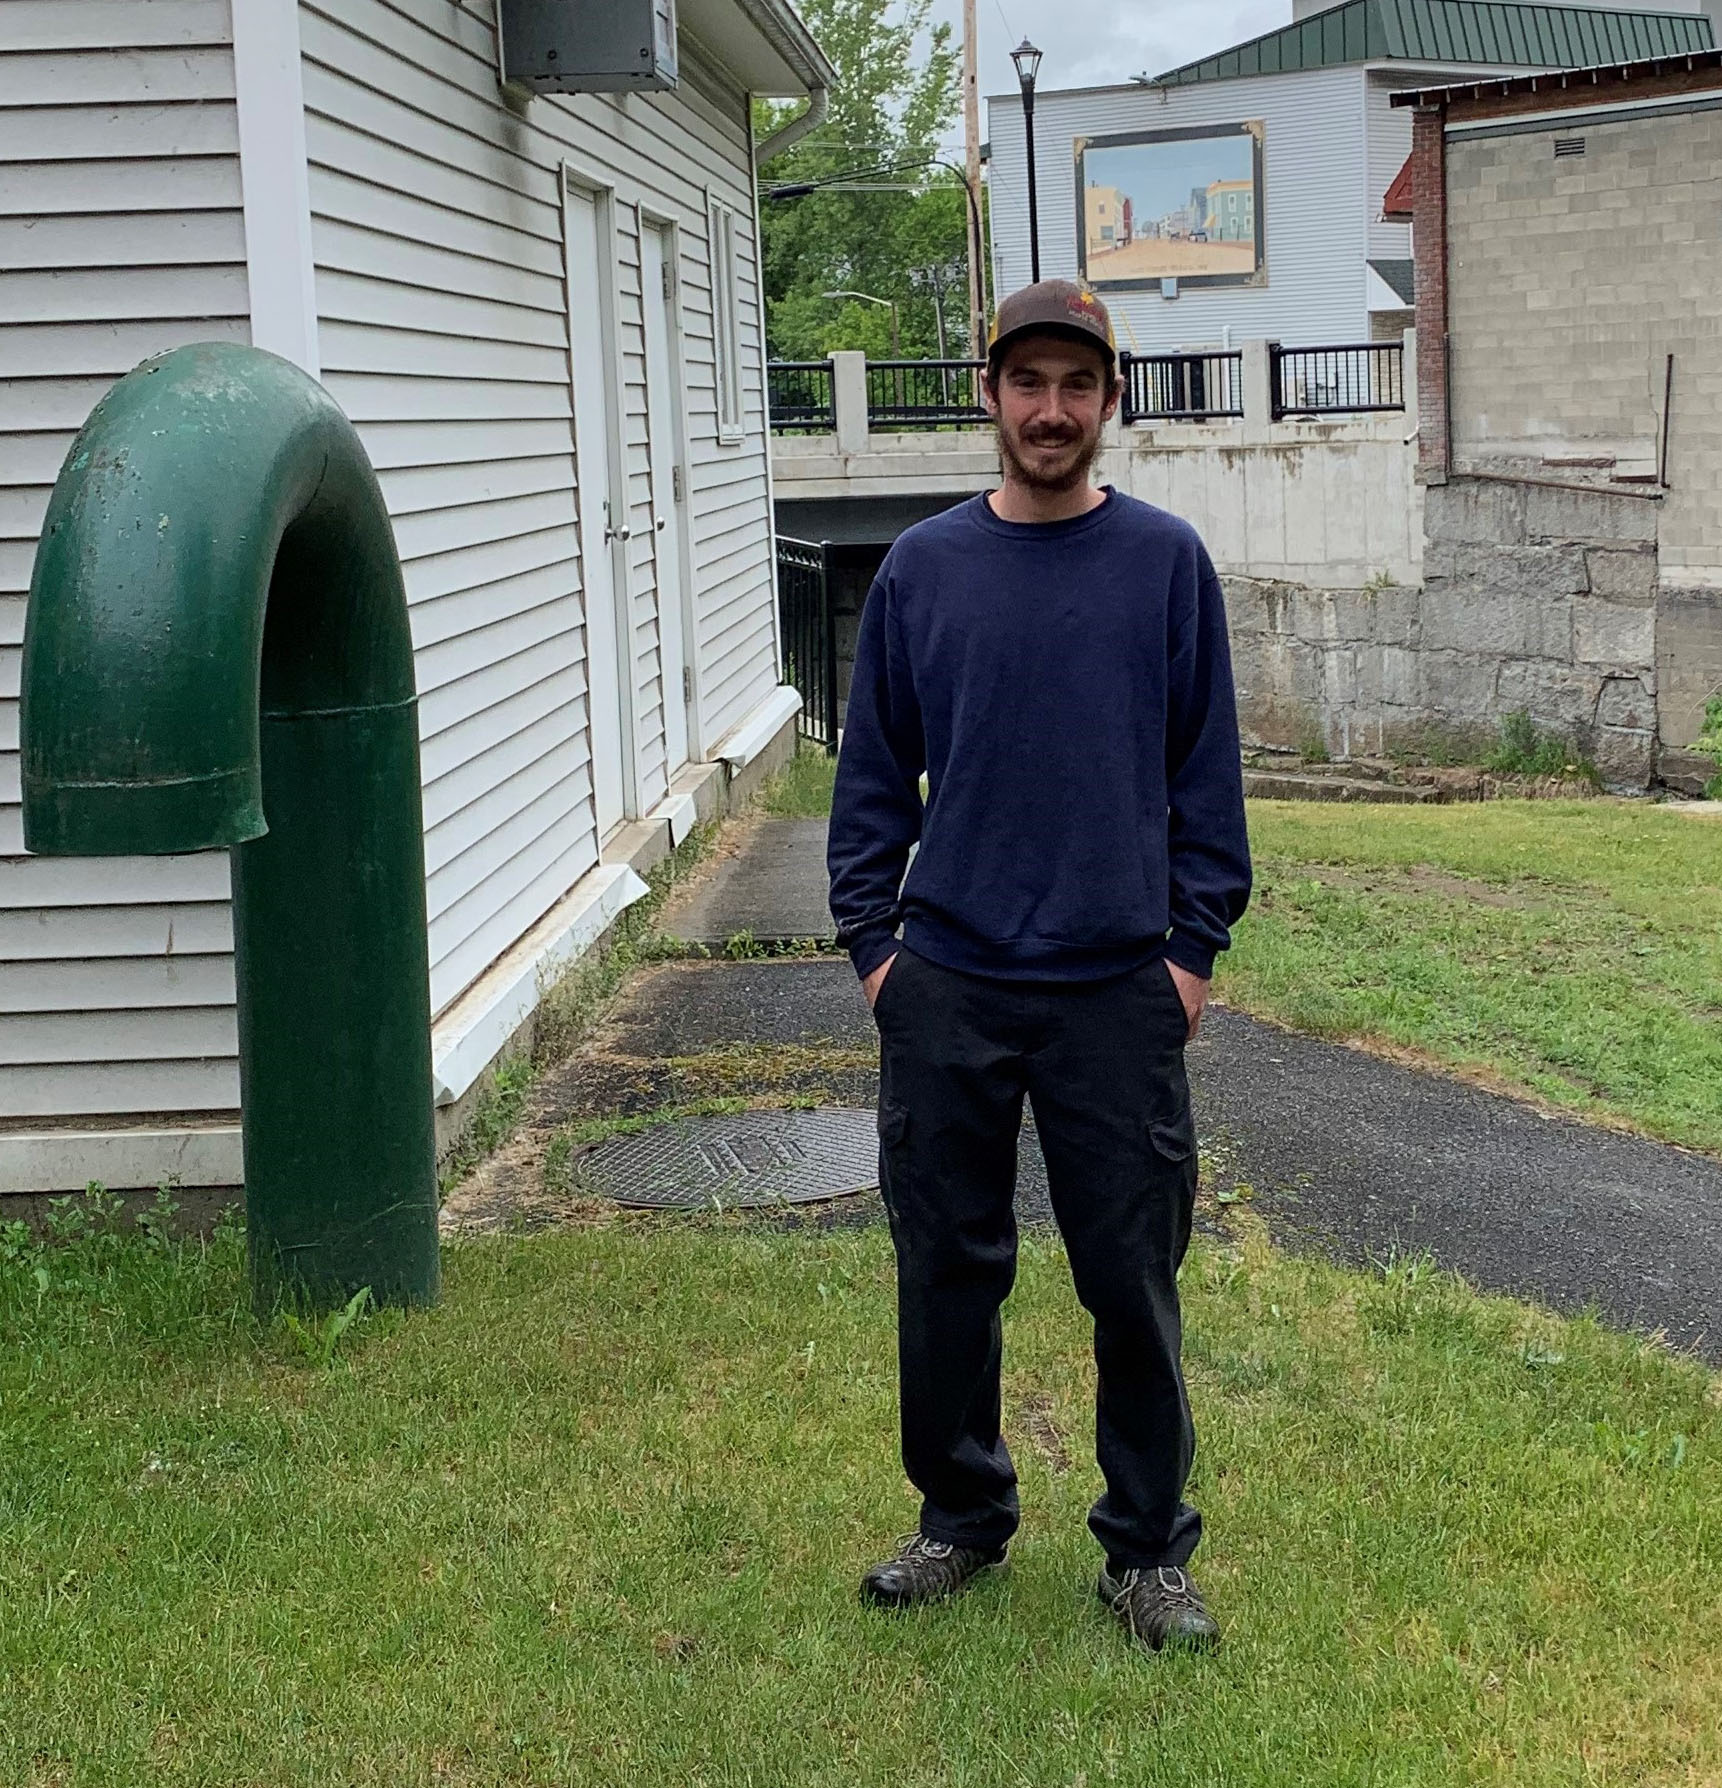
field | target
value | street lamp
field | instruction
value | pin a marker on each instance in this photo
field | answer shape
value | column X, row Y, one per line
column 868, row 298
column 1027, row 60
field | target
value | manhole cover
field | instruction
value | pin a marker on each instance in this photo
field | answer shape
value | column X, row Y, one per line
column 744, row 1158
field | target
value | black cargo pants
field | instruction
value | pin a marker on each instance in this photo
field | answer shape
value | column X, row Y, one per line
column 1103, row 1065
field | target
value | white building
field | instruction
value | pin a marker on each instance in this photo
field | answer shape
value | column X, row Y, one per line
column 544, row 317
column 1317, row 93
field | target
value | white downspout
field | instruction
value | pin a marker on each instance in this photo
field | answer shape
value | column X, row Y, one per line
column 788, row 135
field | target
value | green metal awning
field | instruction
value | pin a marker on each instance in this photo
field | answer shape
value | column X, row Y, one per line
column 1498, row 32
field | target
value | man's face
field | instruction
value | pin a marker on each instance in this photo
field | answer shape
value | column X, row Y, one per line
column 1050, row 399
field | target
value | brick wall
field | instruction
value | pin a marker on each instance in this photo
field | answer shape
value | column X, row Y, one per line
column 1429, row 253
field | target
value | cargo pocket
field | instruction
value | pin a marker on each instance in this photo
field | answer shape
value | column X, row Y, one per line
column 1174, row 1138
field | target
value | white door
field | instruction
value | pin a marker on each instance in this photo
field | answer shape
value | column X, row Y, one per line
column 663, row 422
column 594, row 429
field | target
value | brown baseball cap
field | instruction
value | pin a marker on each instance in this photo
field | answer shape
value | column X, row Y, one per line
column 1052, row 307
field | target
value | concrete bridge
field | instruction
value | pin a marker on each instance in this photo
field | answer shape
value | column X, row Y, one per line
column 1315, row 522
column 1326, row 500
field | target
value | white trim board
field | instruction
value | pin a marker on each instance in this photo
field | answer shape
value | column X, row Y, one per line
column 269, row 99
column 68, row 1160
column 679, row 812
column 747, row 740
column 472, row 1032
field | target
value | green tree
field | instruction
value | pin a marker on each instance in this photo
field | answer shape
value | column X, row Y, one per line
column 896, row 92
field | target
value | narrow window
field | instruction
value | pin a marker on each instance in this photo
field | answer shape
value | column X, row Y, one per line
column 726, row 322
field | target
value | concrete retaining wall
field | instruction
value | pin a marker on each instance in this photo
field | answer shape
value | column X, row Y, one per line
column 1332, row 505
column 1534, row 597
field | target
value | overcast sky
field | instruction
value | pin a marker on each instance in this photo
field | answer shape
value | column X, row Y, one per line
column 1094, row 43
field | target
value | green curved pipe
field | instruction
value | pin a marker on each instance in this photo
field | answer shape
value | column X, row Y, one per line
column 216, row 652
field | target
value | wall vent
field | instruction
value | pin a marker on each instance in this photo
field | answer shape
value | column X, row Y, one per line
column 1568, row 146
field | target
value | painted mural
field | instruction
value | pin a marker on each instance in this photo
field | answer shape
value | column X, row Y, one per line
column 1174, row 204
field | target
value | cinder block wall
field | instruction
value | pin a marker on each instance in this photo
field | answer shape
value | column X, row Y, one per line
column 1571, row 279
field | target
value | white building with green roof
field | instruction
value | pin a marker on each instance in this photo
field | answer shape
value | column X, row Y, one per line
column 1300, row 119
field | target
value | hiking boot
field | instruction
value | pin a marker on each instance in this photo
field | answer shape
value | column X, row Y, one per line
column 1160, row 1607
column 926, row 1570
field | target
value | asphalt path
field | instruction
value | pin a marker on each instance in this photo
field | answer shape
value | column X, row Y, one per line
column 1342, row 1152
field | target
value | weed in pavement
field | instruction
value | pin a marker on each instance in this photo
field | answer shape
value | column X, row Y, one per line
column 802, row 788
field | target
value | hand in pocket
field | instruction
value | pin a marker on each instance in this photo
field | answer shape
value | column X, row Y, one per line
column 872, row 983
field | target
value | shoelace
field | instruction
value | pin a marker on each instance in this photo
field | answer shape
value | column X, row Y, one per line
column 918, row 1545
column 1174, row 1586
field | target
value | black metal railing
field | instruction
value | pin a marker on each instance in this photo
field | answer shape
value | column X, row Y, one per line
column 1345, row 381
column 801, row 397
column 1182, row 387
column 925, row 394
column 809, row 635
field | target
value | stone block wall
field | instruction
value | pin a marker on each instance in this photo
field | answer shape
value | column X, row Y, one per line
column 1533, row 598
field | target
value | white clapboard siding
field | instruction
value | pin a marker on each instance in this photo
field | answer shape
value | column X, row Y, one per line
column 154, row 184
column 121, row 235
column 210, row 239
column 51, row 933
column 52, row 27
column 50, row 297
column 179, row 1033
column 128, row 983
column 443, row 331
column 110, row 1088
column 1316, row 212
column 1389, row 128
column 437, row 231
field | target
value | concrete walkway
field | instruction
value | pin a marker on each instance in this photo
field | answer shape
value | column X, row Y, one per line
column 771, row 891
column 1339, row 1151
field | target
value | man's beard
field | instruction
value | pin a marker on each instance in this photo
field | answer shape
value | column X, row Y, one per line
column 1067, row 472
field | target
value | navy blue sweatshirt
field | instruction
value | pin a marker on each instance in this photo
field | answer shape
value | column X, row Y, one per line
column 1067, row 689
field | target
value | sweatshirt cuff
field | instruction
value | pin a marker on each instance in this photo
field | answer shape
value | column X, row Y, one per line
column 1191, row 954
column 867, row 949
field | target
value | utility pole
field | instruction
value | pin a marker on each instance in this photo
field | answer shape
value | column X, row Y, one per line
column 932, row 281
column 972, row 173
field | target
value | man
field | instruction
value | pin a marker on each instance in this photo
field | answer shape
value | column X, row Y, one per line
column 1053, row 658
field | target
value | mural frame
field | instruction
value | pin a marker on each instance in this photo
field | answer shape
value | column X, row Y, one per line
column 1255, row 129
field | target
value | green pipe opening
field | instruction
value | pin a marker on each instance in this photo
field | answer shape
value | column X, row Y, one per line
column 216, row 652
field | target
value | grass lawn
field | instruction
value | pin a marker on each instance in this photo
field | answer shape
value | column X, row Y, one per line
column 1572, row 950
column 598, row 1520
column 1568, row 949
